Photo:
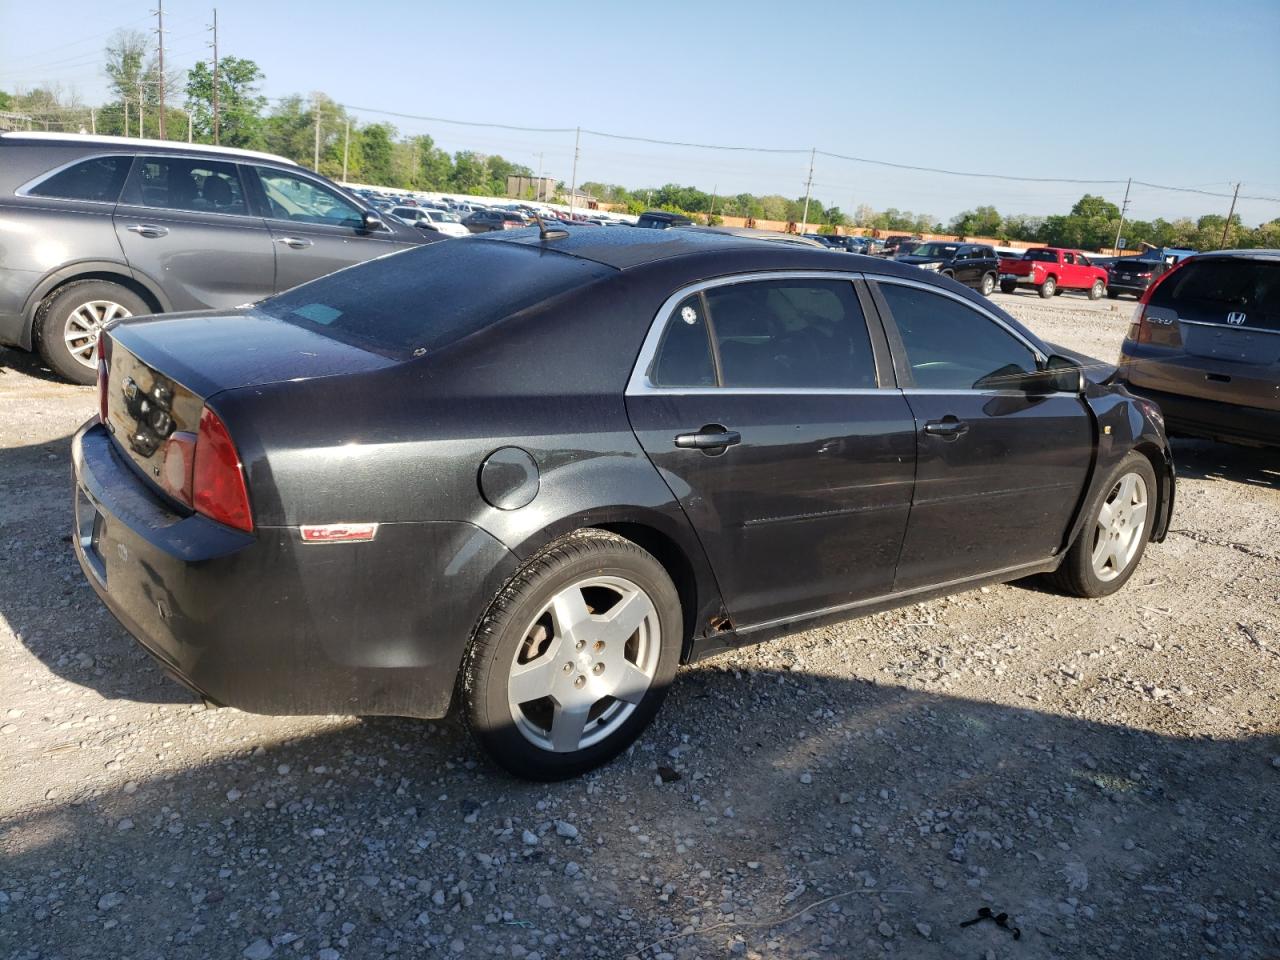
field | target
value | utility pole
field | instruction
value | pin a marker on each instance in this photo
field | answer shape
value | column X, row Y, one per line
column 93, row 121
column 712, row 212
column 189, row 128
column 808, row 185
column 126, row 115
column 1230, row 213
column 315, row 108
column 142, row 126
column 215, row 77
column 573, row 182
column 1124, row 208
column 346, row 151
column 160, row 35
column 541, row 194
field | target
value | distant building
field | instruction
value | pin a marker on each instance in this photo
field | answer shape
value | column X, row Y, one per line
column 531, row 188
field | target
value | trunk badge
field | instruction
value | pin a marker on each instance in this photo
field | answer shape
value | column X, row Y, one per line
column 1236, row 319
column 338, row 532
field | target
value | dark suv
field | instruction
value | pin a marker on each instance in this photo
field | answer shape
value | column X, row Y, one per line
column 1131, row 275
column 103, row 227
column 973, row 264
column 1205, row 345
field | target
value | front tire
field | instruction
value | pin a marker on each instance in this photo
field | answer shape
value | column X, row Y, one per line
column 1008, row 286
column 1048, row 288
column 573, row 658
column 1113, row 295
column 1115, row 535
column 988, row 284
column 71, row 320
column 1097, row 290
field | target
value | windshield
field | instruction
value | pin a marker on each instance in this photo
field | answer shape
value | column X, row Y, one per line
column 1049, row 256
column 944, row 250
column 429, row 296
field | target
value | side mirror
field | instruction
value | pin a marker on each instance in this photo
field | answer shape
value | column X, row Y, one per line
column 373, row 222
column 1060, row 375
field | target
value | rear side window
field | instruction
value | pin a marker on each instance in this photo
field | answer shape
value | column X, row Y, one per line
column 98, row 179
column 684, row 355
column 791, row 334
column 427, row 297
column 184, row 183
column 1233, row 292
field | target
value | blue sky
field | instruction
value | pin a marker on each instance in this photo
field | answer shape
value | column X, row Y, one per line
column 1185, row 94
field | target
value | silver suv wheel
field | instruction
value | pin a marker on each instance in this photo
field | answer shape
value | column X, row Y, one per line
column 84, row 326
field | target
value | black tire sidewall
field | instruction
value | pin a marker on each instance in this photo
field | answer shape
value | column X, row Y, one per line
column 52, row 321
column 485, row 693
column 1081, row 553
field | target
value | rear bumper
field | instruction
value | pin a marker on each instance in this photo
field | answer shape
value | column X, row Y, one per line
column 267, row 624
column 1213, row 419
column 1121, row 287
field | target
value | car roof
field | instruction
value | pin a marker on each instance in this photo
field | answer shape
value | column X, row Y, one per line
column 176, row 146
column 1253, row 254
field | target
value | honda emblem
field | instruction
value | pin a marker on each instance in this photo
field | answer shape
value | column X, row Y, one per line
column 1236, row 319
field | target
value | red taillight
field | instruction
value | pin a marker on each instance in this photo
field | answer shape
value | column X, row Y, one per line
column 217, row 481
column 177, row 466
column 104, row 374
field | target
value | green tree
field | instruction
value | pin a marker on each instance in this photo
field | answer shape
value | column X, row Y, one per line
column 980, row 222
column 240, row 105
column 375, row 147
column 469, row 173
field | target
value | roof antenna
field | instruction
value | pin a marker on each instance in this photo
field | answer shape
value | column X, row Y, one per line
column 546, row 233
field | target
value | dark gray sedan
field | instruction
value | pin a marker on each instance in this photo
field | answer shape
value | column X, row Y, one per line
column 536, row 471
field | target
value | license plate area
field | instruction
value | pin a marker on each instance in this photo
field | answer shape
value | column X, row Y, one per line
column 89, row 529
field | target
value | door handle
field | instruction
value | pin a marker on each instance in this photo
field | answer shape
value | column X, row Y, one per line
column 711, row 437
column 148, row 230
column 297, row 243
column 948, row 428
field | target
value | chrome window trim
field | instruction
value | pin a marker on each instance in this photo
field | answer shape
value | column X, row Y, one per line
column 1223, row 326
column 904, row 282
column 25, row 190
column 639, row 383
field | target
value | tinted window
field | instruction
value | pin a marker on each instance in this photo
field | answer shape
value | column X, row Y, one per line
column 302, row 200
column 429, row 296
column 98, row 179
column 953, row 347
column 791, row 333
column 1210, row 289
column 1046, row 255
column 684, row 355
column 183, row 183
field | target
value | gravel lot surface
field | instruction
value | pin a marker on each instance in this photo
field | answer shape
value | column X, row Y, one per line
column 1106, row 772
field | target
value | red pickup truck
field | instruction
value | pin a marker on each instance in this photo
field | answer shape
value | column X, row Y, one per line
column 1051, row 271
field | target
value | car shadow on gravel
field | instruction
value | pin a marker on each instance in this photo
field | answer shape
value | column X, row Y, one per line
column 807, row 815
column 1207, row 460
column 29, row 364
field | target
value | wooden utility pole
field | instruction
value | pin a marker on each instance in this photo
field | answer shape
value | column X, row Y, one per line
column 215, row 76
column 126, row 115
column 346, row 151
column 93, row 121
column 1124, row 208
column 1230, row 213
column 315, row 108
column 160, row 35
column 573, row 182
column 142, row 126
column 808, row 185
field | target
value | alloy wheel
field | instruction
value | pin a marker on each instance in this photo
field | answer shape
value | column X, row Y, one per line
column 585, row 661
column 84, row 327
column 1121, row 525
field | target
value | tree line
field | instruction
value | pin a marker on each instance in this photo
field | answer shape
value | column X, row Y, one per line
column 376, row 153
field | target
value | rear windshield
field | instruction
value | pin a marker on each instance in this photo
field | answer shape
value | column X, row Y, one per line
column 1050, row 255
column 1234, row 292
column 430, row 296
column 1134, row 266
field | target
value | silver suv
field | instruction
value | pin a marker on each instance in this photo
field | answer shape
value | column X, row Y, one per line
column 95, row 228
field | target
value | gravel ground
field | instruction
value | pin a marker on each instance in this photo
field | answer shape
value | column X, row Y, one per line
column 1106, row 772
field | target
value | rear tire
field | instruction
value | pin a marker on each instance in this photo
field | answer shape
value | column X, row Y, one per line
column 1008, row 286
column 1097, row 290
column 551, row 685
column 1048, row 288
column 988, row 284
column 1113, row 295
column 1118, row 526
column 70, row 321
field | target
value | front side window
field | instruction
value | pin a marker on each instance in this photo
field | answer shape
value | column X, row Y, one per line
column 98, row 179
column 301, row 200
column 950, row 346
column 791, row 333
column 184, row 183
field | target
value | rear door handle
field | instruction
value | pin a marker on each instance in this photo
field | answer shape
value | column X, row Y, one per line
column 297, row 243
column 711, row 437
column 148, row 230
column 948, row 428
